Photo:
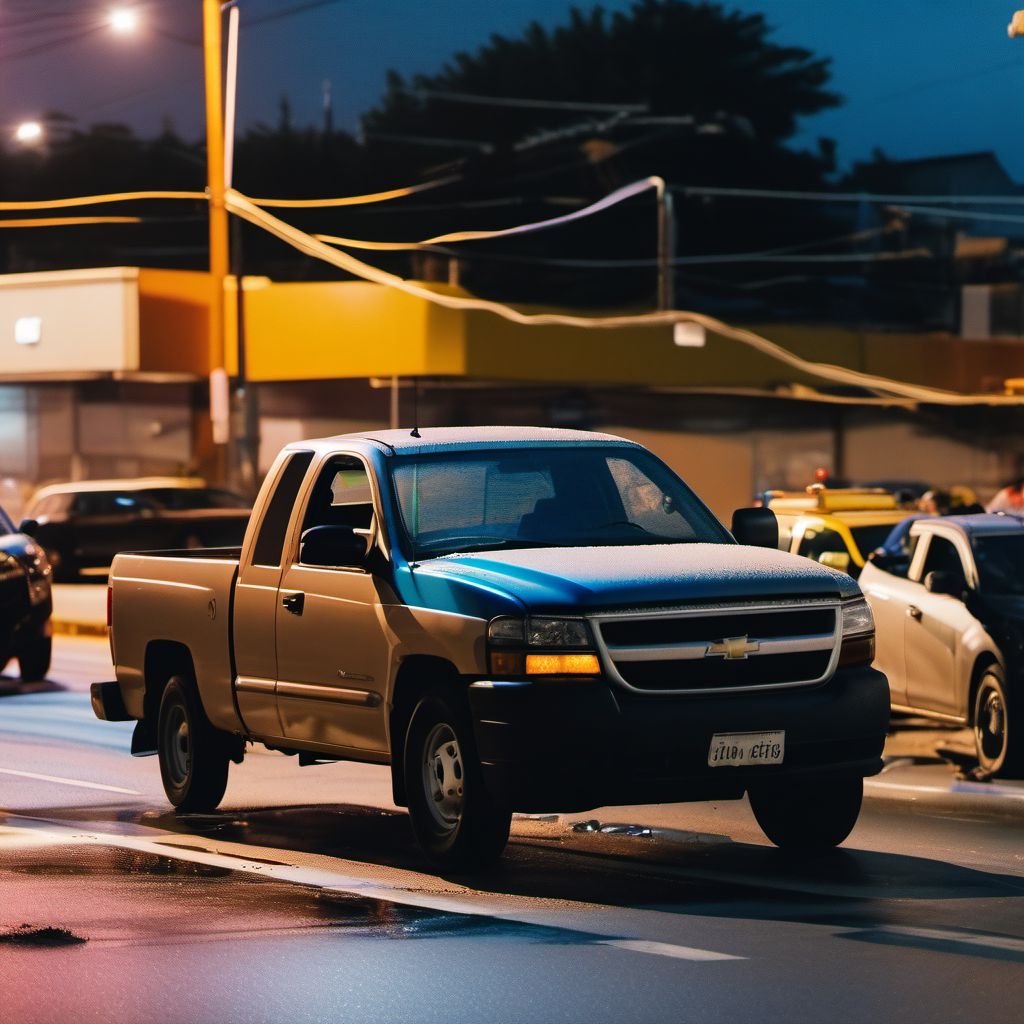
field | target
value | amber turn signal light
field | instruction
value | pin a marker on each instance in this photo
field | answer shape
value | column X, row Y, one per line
column 562, row 665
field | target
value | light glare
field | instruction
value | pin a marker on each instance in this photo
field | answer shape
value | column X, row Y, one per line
column 29, row 131
column 124, row 20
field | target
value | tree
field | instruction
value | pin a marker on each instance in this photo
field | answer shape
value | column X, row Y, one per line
column 693, row 92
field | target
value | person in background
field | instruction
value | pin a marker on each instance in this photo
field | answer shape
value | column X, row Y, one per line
column 935, row 503
column 1009, row 499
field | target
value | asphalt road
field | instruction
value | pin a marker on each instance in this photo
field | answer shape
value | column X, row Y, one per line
column 305, row 899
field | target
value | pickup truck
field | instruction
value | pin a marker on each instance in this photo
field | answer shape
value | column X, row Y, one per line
column 513, row 619
column 950, row 611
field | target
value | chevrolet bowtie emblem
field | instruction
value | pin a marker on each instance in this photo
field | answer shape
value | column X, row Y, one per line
column 735, row 648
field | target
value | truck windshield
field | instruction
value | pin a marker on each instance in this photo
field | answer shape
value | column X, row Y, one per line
column 545, row 497
column 1000, row 561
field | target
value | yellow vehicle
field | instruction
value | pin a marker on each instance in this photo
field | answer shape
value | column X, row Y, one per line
column 838, row 527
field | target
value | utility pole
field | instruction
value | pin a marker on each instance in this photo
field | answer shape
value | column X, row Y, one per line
column 218, row 215
column 666, row 245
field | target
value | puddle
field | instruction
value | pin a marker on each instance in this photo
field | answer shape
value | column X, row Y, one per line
column 45, row 937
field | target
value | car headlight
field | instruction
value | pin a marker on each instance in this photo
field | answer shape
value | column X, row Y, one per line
column 39, row 573
column 541, row 646
column 858, row 624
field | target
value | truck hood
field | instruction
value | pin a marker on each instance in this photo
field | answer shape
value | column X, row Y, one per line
column 604, row 577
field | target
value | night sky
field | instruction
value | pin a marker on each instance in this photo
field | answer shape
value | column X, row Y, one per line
column 920, row 77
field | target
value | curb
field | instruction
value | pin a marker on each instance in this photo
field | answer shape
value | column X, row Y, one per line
column 78, row 628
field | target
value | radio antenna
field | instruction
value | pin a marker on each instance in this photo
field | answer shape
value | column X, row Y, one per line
column 415, row 407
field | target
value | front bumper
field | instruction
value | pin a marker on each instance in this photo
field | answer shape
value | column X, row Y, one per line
column 569, row 745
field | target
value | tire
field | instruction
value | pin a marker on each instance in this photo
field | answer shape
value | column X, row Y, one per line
column 193, row 754
column 34, row 660
column 995, row 740
column 456, row 822
column 808, row 815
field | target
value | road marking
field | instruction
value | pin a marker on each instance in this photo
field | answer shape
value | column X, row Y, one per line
column 667, row 949
column 467, row 902
column 1004, row 942
column 70, row 782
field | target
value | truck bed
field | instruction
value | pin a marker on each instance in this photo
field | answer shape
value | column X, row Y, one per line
column 170, row 606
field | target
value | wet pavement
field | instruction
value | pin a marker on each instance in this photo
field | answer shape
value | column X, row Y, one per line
column 305, row 898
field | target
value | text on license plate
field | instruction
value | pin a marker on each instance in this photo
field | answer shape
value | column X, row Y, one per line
column 732, row 748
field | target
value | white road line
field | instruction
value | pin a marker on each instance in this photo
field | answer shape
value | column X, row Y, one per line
column 469, row 902
column 963, row 938
column 904, row 787
column 70, row 782
column 667, row 949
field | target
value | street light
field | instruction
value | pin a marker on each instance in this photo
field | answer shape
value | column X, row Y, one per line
column 28, row 133
column 123, row 20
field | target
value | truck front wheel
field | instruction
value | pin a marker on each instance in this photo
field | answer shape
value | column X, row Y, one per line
column 808, row 814
column 456, row 822
column 192, row 753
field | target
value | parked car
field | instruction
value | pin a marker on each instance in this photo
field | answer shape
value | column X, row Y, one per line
column 838, row 527
column 83, row 525
column 25, row 602
column 950, row 621
column 512, row 619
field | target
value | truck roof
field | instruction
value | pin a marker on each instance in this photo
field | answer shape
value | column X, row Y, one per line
column 973, row 525
column 436, row 439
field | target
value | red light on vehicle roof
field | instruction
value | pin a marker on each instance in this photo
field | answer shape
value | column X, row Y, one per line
column 821, row 474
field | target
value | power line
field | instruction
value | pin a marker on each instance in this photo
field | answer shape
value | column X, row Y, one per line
column 530, row 104
column 843, row 197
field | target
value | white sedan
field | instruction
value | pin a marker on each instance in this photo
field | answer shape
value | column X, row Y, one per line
column 949, row 621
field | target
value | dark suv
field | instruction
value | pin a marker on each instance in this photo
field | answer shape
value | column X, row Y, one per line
column 82, row 526
column 25, row 602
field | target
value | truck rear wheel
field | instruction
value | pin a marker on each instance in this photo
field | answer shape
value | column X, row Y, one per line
column 808, row 814
column 192, row 753
column 456, row 822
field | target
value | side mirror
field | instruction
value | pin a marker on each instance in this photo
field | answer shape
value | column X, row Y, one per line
column 950, row 583
column 757, row 527
column 331, row 547
column 28, row 527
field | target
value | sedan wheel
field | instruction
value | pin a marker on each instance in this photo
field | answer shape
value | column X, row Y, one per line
column 994, row 739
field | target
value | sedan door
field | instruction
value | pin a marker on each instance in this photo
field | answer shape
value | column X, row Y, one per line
column 933, row 628
column 333, row 649
column 890, row 596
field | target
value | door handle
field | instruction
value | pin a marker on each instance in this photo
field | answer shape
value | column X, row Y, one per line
column 914, row 612
column 294, row 603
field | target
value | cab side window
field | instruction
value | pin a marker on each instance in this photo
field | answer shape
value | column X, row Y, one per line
column 342, row 496
column 270, row 539
column 942, row 556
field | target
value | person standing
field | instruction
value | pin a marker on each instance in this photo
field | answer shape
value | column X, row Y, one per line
column 1009, row 499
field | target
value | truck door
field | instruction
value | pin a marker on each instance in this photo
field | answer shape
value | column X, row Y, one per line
column 932, row 627
column 256, row 597
column 332, row 648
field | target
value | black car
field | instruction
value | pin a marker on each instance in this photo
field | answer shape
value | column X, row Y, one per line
column 25, row 602
column 82, row 526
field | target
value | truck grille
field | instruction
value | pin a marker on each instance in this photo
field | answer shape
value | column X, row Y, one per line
column 714, row 649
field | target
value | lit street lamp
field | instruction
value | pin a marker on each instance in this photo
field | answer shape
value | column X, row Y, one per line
column 123, row 20
column 29, row 133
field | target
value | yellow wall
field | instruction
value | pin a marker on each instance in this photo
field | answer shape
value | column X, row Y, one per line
column 307, row 331
column 325, row 330
column 173, row 315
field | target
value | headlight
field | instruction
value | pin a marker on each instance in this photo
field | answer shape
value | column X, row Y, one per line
column 540, row 646
column 857, row 617
column 39, row 573
column 858, row 645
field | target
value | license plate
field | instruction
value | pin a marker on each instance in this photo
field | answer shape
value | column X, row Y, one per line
column 736, row 748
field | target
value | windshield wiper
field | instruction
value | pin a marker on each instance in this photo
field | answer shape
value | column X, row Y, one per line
column 494, row 544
